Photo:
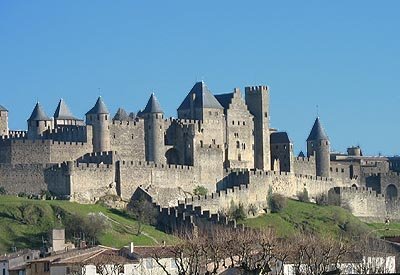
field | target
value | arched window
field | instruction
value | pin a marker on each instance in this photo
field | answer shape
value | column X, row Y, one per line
column 391, row 192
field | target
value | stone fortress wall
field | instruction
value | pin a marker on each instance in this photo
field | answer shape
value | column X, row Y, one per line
column 220, row 142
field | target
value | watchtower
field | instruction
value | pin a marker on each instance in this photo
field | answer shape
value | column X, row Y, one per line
column 99, row 118
column 154, row 130
column 38, row 122
column 318, row 145
column 257, row 100
column 3, row 121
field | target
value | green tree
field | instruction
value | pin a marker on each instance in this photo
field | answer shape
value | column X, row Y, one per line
column 303, row 196
column 143, row 212
column 200, row 191
column 277, row 202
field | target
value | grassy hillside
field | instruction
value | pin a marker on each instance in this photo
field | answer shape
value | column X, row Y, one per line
column 24, row 222
column 308, row 217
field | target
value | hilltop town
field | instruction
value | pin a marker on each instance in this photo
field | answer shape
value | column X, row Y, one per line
column 221, row 142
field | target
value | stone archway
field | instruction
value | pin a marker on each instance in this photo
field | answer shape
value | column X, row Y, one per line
column 391, row 192
column 172, row 156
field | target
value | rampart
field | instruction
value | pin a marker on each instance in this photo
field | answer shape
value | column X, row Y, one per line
column 362, row 202
column 24, row 151
column 134, row 174
column 90, row 181
column 68, row 133
column 23, row 178
column 304, row 166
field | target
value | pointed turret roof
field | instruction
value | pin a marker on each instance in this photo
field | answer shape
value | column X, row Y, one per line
column 202, row 98
column 98, row 108
column 152, row 106
column 121, row 114
column 2, row 108
column 62, row 111
column 38, row 114
column 301, row 155
column 317, row 131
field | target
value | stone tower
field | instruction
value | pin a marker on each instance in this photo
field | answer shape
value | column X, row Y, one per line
column 3, row 121
column 99, row 118
column 154, row 130
column 38, row 122
column 318, row 146
column 257, row 100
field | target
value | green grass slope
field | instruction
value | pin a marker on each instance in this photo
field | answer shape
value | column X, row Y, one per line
column 308, row 217
column 24, row 222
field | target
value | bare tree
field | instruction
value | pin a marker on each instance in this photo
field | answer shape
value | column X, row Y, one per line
column 371, row 256
column 314, row 255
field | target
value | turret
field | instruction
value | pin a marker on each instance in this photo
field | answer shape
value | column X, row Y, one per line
column 318, row 145
column 257, row 100
column 154, row 130
column 63, row 116
column 38, row 122
column 3, row 121
column 99, row 118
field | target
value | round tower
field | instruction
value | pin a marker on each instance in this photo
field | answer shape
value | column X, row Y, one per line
column 154, row 130
column 354, row 151
column 38, row 122
column 99, row 118
column 318, row 145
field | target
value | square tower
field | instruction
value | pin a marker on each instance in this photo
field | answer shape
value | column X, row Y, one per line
column 257, row 100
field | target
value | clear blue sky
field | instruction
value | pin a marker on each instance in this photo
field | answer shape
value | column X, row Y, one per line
column 341, row 55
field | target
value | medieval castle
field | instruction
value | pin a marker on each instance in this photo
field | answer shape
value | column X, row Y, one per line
column 221, row 142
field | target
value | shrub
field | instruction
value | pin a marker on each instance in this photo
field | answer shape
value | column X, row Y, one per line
column 236, row 212
column 303, row 196
column 2, row 190
column 200, row 191
column 322, row 199
column 252, row 209
column 277, row 202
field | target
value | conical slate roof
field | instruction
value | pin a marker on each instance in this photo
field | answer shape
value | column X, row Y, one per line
column 98, row 108
column 38, row 114
column 202, row 98
column 62, row 111
column 301, row 155
column 3, row 108
column 121, row 114
column 317, row 132
column 152, row 106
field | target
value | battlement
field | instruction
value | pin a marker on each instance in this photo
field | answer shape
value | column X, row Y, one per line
column 358, row 190
column 317, row 178
column 92, row 166
column 258, row 173
column 305, row 159
column 15, row 134
column 98, row 157
column 9, row 166
column 128, row 123
column 150, row 164
column 256, row 89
